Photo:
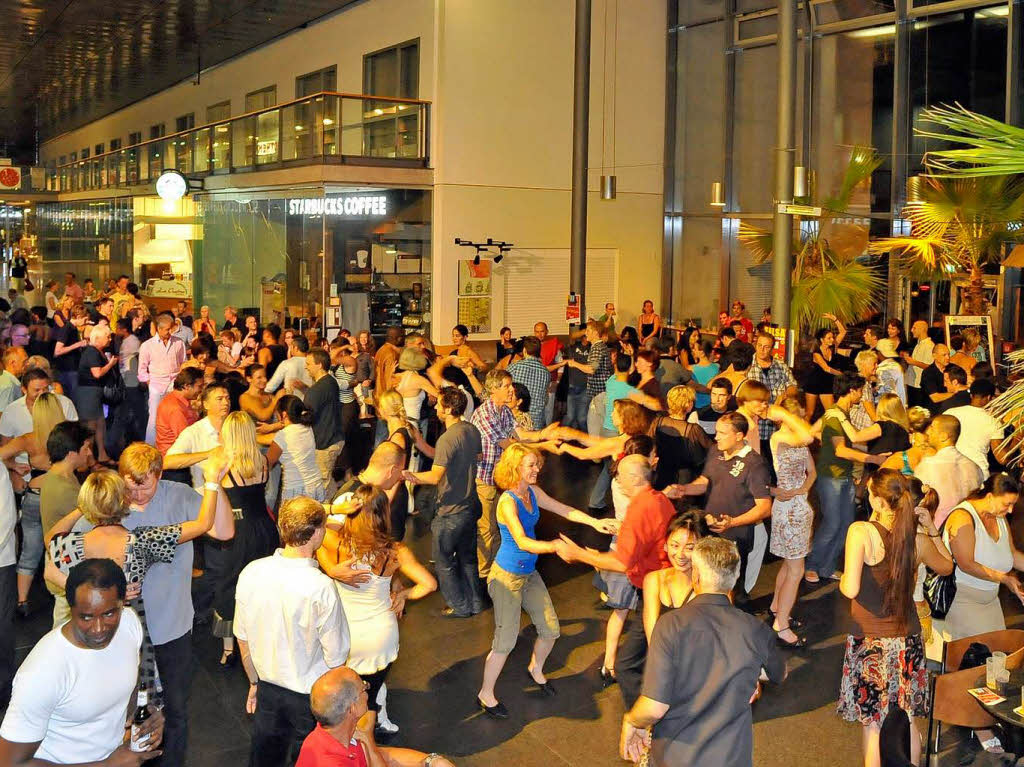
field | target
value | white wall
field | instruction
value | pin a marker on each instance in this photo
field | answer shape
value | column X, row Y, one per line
column 341, row 39
column 503, row 128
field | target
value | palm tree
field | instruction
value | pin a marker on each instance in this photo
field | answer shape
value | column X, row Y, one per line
column 958, row 226
column 829, row 277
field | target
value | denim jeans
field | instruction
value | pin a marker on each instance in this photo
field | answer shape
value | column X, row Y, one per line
column 32, row 534
column 576, row 406
column 599, row 493
column 836, row 501
column 454, row 554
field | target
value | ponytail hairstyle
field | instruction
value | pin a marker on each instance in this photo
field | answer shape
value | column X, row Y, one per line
column 391, row 405
column 923, row 496
column 893, row 488
column 292, row 407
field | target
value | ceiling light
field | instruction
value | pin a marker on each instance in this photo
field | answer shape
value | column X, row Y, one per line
column 328, row 121
column 299, row 127
column 886, row 30
column 378, row 111
column 717, row 197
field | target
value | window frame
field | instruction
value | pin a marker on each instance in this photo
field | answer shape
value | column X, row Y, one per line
column 333, row 69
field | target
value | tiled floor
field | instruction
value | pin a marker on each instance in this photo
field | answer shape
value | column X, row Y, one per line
column 434, row 681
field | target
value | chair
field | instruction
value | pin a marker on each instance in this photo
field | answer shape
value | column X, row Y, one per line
column 950, row 701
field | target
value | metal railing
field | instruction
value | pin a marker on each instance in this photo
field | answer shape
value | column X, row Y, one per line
column 324, row 127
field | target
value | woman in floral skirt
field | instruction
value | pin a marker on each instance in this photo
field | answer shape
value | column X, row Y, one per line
column 884, row 662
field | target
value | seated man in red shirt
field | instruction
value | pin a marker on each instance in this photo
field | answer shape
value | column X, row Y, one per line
column 639, row 549
column 175, row 411
column 338, row 702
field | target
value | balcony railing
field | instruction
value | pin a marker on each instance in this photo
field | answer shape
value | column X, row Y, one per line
column 324, row 127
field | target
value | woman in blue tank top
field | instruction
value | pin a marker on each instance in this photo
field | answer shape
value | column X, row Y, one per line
column 514, row 584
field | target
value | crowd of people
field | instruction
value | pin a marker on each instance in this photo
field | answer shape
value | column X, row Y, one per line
column 144, row 448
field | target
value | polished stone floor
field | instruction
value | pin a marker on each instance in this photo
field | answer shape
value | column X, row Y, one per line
column 434, row 681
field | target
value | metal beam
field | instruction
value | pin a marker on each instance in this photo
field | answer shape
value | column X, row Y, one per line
column 900, row 142
column 580, row 138
column 673, row 208
column 782, row 239
column 1014, row 51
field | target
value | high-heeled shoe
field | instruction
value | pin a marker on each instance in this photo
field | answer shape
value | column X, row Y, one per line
column 607, row 677
column 794, row 624
column 497, row 711
column 228, row 659
column 799, row 644
column 545, row 687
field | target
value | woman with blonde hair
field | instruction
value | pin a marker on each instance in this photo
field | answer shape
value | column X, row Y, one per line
column 682, row 446
column 889, row 433
column 373, row 608
column 204, row 323
column 905, row 461
column 401, row 431
column 103, row 501
column 513, row 583
column 255, row 533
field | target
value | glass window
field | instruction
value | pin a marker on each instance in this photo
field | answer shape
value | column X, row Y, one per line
column 831, row 11
column 185, row 122
column 697, row 11
column 218, row 112
column 85, row 154
column 156, row 131
column 391, row 130
column 115, row 144
column 956, row 58
column 315, row 82
column 98, row 150
column 261, row 99
column 135, row 138
column 393, row 72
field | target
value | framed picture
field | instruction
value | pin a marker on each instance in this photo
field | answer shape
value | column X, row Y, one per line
column 474, row 279
column 475, row 314
column 973, row 327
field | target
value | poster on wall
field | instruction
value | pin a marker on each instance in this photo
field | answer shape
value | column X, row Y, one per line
column 475, row 314
column 977, row 333
column 474, row 279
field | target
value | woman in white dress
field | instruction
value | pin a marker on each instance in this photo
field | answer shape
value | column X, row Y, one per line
column 372, row 609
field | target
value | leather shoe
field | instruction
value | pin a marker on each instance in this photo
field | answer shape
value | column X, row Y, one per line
column 497, row 711
column 450, row 612
column 545, row 689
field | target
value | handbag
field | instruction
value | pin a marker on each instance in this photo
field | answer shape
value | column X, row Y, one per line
column 940, row 590
column 113, row 387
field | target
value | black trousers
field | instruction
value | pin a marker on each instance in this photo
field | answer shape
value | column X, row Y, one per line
column 282, row 722
column 743, row 537
column 128, row 420
column 8, row 601
column 630, row 659
column 174, row 662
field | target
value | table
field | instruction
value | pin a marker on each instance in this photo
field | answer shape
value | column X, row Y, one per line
column 1013, row 724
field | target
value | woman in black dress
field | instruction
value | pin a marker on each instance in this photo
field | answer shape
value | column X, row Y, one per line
column 94, row 372
column 824, row 367
column 255, row 533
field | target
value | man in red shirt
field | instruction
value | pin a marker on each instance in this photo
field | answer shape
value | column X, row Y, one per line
column 338, row 702
column 551, row 358
column 639, row 549
column 175, row 411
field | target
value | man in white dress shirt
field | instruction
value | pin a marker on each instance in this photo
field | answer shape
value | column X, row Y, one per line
column 160, row 359
column 949, row 472
column 196, row 442
column 917, row 361
column 292, row 372
column 291, row 629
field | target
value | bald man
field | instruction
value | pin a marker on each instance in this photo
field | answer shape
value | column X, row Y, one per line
column 338, row 702
column 951, row 473
column 918, row 360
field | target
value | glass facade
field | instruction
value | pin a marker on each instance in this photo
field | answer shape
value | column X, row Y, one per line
column 864, row 81
column 92, row 238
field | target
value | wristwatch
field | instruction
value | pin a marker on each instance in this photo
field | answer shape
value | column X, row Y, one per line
column 214, row 486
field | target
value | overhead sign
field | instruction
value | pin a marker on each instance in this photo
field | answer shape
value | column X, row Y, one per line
column 353, row 206
column 798, row 210
column 10, row 178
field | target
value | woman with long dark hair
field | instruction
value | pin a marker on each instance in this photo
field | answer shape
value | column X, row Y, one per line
column 884, row 661
column 824, row 367
column 373, row 608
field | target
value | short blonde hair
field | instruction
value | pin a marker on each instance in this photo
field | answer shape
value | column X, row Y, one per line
column 96, row 332
column 680, row 401
column 865, row 359
column 509, row 469
column 753, row 391
column 139, row 461
column 299, row 519
column 103, row 499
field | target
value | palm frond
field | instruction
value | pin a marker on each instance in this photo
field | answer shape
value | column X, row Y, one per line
column 864, row 161
column 994, row 148
column 1008, row 407
column 759, row 242
column 849, row 291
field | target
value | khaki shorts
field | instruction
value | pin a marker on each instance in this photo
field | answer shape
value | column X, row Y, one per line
column 511, row 594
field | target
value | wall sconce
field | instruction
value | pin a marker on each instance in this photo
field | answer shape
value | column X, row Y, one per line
column 608, row 187
column 800, row 181
column 717, row 195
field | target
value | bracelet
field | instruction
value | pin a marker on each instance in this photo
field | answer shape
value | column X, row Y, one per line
column 937, row 535
column 429, row 758
column 211, row 486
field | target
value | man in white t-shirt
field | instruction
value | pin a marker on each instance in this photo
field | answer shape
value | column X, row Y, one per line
column 74, row 690
column 17, row 417
column 918, row 360
column 980, row 431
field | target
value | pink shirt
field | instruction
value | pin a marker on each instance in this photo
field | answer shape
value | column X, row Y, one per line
column 159, row 363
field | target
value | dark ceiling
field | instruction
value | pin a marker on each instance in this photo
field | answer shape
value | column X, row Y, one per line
column 64, row 63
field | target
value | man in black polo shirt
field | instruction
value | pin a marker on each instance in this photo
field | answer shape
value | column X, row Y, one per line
column 720, row 392
column 955, row 379
column 736, row 481
column 702, row 673
column 322, row 398
column 933, row 386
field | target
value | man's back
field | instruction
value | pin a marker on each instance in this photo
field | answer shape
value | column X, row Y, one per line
column 952, row 475
column 704, row 662
column 457, row 451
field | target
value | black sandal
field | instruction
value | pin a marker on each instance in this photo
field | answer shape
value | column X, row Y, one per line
column 794, row 624
column 799, row 644
column 607, row 677
column 228, row 659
